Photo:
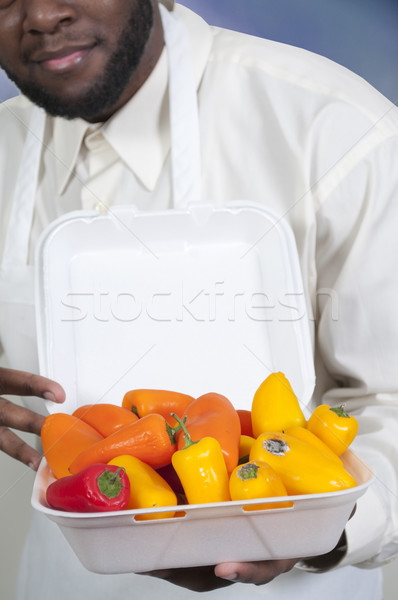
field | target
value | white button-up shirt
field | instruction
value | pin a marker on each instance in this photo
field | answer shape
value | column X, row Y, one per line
column 292, row 130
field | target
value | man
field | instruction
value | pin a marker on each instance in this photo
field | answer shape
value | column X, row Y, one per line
column 278, row 126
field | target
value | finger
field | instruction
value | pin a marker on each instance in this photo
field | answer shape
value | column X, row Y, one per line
column 19, row 417
column 21, row 383
column 12, row 445
column 197, row 579
column 258, row 573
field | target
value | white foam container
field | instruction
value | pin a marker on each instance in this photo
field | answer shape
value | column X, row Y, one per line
column 206, row 534
column 198, row 300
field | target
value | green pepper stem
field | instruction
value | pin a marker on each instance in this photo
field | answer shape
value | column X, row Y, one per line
column 172, row 431
column 109, row 483
column 248, row 471
column 187, row 437
column 340, row 412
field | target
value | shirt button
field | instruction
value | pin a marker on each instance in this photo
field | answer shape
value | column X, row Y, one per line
column 101, row 207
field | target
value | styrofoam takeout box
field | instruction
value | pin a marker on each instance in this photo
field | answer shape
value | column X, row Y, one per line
column 206, row 534
column 198, row 300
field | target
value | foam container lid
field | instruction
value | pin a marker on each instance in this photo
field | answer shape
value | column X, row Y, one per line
column 194, row 301
column 199, row 300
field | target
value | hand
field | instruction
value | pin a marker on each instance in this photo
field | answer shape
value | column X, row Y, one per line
column 258, row 573
column 17, row 417
column 204, row 579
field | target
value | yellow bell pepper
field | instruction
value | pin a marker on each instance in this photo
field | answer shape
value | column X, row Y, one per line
column 303, row 468
column 275, row 406
column 334, row 426
column 301, row 433
column 245, row 443
column 256, row 479
column 201, row 469
column 147, row 488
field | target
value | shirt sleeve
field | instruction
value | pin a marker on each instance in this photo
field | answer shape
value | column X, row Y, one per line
column 357, row 335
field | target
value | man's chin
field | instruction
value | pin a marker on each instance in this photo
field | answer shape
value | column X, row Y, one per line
column 99, row 92
column 87, row 106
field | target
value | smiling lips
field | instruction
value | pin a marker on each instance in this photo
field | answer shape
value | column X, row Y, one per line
column 62, row 60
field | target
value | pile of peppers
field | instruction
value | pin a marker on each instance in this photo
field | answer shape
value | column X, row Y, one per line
column 163, row 449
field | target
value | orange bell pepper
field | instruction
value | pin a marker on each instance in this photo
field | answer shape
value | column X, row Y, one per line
column 213, row 415
column 163, row 402
column 63, row 437
column 105, row 418
column 150, row 439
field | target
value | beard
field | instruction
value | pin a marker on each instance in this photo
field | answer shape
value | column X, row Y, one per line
column 106, row 90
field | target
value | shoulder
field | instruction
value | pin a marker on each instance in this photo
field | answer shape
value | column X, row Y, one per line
column 286, row 72
column 15, row 114
column 283, row 105
column 18, row 105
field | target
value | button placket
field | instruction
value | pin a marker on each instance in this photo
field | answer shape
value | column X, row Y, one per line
column 99, row 188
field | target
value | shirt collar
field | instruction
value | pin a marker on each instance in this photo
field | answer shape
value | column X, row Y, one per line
column 139, row 132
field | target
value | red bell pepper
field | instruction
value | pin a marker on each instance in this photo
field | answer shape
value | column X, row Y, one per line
column 98, row 488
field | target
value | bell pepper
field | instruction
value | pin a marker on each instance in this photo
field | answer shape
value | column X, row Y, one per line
column 99, row 488
column 105, row 418
column 150, row 439
column 143, row 402
column 303, row 468
column 256, row 479
column 245, row 443
column 147, row 488
column 334, row 426
column 245, row 417
column 168, row 473
column 201, row 467
column 301, row 433
column 63, row 437
column 275, row 406
column 213, row 415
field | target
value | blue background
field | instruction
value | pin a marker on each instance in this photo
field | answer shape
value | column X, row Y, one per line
column 359, row 34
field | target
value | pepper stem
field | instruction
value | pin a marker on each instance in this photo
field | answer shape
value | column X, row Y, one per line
column 109, row 482
column 248, row 471
column 340, row 412
column 187, row 437
column 173, row 430
column 276, row 446
column 135, row 410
